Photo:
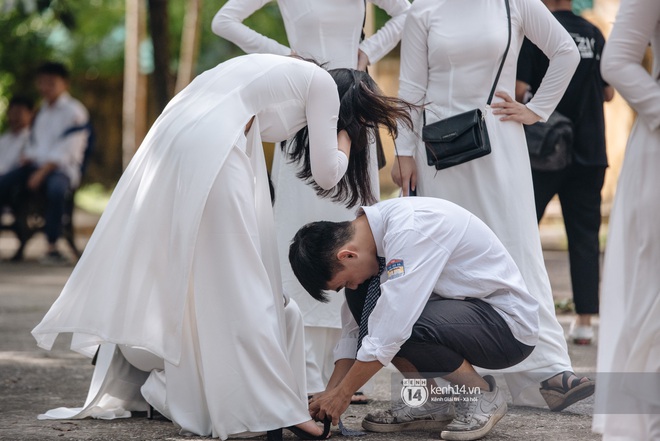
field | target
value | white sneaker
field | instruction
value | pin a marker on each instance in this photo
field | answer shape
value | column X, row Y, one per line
column 580, row 335
column 476, row 414
column 432, row 416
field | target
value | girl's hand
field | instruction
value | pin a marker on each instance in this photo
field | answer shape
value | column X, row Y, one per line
column 404, row 173
column 344, row 142
column 513, row 110
column 363, row 61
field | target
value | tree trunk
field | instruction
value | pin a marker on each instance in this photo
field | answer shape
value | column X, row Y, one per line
column 189, row 45
column 134, row 113
column 160, row 37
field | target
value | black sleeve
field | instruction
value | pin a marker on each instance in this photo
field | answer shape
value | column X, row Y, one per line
column 600, row 45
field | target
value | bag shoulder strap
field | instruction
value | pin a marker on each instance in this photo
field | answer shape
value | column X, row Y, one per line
column 506, row 51
column 364, row 22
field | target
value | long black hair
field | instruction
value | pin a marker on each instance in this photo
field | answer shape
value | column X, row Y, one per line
column 362, row 109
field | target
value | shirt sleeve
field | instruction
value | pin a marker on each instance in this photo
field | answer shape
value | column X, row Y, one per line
column 383, row 41
column 543, row 29
column 328, row 163
column 621, row 65
column 70, row 149
column 347, row 344
column 413, row 77
column 228, row 24
column 403, row 295
column 528, row 64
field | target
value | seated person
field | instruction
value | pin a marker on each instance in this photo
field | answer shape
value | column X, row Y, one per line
column 451, row 298
column 51, row 160
column 19, row 117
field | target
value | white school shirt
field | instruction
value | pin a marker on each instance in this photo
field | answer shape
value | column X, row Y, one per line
column 433, row 247
column 11, row 145
column 48, row 143
column 326, row 31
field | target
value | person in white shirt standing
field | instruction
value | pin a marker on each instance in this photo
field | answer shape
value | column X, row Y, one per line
column 451, row 298
column 12, row 142
column 51, row 161
column 329, row 32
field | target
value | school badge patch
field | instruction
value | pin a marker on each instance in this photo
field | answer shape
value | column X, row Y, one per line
column 395, row 269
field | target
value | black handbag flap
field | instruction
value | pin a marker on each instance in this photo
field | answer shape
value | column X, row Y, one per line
column 448, row 129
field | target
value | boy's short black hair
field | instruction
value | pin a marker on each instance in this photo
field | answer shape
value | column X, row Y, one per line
column 23, row 101
column 313, row 254
column 53, row 68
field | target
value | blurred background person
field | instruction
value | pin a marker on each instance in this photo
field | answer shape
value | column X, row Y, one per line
column 628, row 404
column 51, row 161
column 450, row 54
column 19, row 117
column 578, row 185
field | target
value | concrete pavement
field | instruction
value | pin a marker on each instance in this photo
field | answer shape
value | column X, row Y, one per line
column 33, row 380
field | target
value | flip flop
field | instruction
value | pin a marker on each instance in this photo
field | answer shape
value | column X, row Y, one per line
column 559, row 398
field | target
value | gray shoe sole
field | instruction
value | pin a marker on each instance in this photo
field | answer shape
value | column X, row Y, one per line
column 411, row 426
column 475, row 434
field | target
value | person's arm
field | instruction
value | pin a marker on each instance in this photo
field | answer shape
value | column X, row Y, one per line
column 228, row 24
column 522, row 89
column 529, row 59
column 386, row 38
column 608, row 93
column 346, row 347
column 543, row 29
column 405, row 292
column 413, row 82
column 621, row 64
column 68, row 150
column 329, row 150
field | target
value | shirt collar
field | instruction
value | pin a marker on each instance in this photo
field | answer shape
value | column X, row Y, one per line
column 377, row 226
column 63, row 98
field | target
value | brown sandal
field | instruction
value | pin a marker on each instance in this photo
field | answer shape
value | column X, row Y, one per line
column 559, row 398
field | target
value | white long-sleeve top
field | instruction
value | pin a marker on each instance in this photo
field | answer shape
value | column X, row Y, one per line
column 169, row 179
column 435, row 248
column 49, row 141
column 451, row 50
column 637, row 24
column 326, row 31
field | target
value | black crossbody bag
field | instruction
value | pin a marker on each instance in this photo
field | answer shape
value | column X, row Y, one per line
column 463, row 137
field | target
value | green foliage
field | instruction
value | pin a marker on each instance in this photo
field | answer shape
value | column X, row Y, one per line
column 87, row 36
column 214, row 50
column 93, row 198
column 581, row 5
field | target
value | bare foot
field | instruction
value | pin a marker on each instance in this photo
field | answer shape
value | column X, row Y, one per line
column 310, row 427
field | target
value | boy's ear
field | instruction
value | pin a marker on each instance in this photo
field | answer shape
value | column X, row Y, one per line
column 345, row 253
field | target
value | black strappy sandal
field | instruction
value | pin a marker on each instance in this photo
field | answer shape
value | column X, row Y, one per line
column 559, row 398
column 276, row 435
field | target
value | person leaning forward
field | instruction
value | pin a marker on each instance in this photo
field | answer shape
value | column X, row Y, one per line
column 451, row 298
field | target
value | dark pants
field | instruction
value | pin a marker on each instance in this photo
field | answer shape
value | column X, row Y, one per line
column 55, row 188
column 450, row 331
column 579, row 190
